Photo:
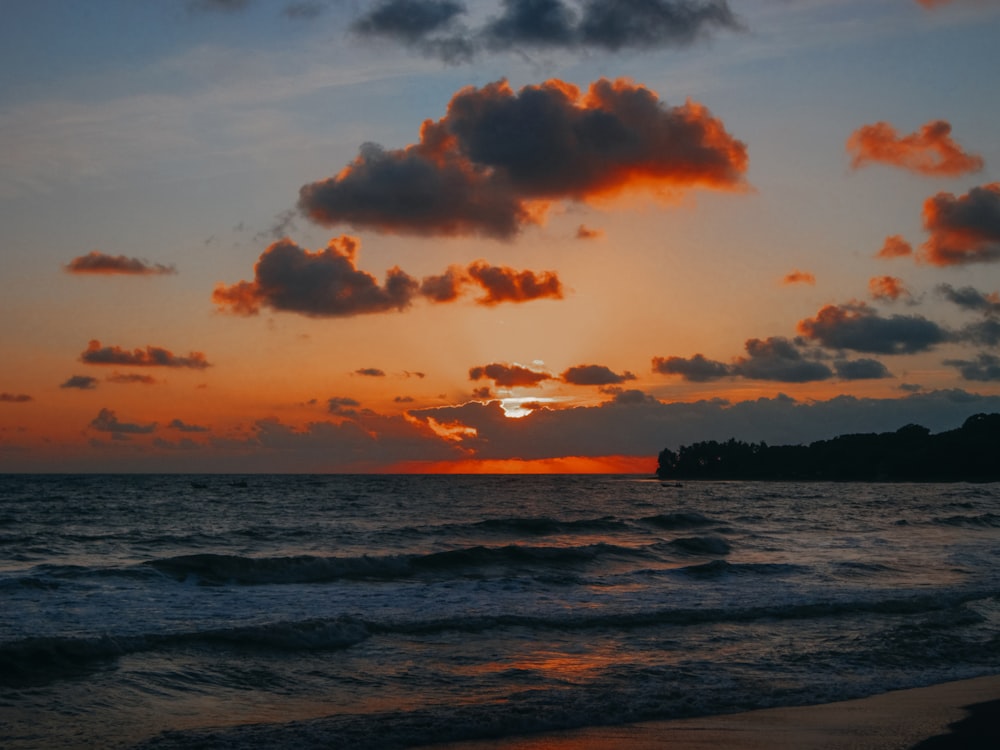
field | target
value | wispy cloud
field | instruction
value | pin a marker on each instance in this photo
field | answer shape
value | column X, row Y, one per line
column 929, row 151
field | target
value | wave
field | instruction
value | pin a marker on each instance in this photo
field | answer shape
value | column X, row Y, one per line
column 685, row 519
column 722, row 568
column 545, row 526
column 701, row 545
column 983, row 520
column 212, row 568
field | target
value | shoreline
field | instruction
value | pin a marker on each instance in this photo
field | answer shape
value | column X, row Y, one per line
column 960, row 715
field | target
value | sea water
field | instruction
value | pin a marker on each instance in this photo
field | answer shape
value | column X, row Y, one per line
column 398, row 611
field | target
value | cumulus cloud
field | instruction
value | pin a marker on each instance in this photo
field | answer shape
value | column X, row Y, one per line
column 371, row 372
column 887, row 288
column 430, row 26
column 495, row 161
column 985, row 368
column 15, row 398
column 107, row 421
column 970, row 298
column 860, row 328
column 82, row 382
column 778, row 359
column 594, row 375
column 180, row 426
column 799, row 277
column 929, row 151
column 965, row 229
column 861, row 369
column 342, row 406
column 894, row 247
column 327, row 283
column 151, row 356
column 508, row 376
column 96, row 262
column 696, row 369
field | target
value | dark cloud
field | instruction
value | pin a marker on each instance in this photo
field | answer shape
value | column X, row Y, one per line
column 799, row 277
column 151, row 356
column 697, row 369
column 95, row 262
column 984, row 333
column 887, row 288
column 176, row 424
column 343, row 406
column 502, row 284
column 107, row 421
column 82, row 382
column 970, row 298
column 224, row 6
column 778, row 359
column 15, row 398
column 860, row 328
column 131, row 377
column 494, row 162
column 594, row 375
column 985, row 368
column 861, row 369
column 321, row 284
column 929, row 151
column 965, row 229
column 508, row 376
column 894, row 247
column 403, row 400
column 372, row 372
column 430, row 27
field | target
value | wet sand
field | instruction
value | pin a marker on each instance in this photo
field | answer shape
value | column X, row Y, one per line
column 962, row 715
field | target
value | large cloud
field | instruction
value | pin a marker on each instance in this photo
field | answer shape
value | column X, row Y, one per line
column 151, row 356
column 431, row 26
column 778, row 359
column 965, row 229
column 929, row 151
column 696, row 369
column 594, row 375
column 327, row 283
column 985, row 368
column 860, row 328
column 96, row 262
column 970, row 298
column 493, row 163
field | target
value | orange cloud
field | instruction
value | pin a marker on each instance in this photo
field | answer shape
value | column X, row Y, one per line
column 131, row 377
column 327, row 283
column 492, row 164
column 895, row 247
column 965, row 229
column 799, row 277
column 151, row 356
column 929, row 151
column 508, row 376
column 887, row 287
column 98, row 263
column 586, row 233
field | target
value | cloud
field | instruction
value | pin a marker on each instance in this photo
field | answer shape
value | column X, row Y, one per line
column 107, row 421
column 778, row 359
column 894, row 247
column 970, row 298
column 860, row 328
column 594, row 375
column 131, row 377
column 82, row 382
column 321, row 284
column 343, row 406
column 983, row 333
column 371, row 372
column 15, row 398
column 696, row 369
column 586, row 233
column 965, row 229
column 176, row 424
column 799, row 277
column 304, row 10
column 151, row 356
column 502, row 284
column 887, row 288
column 933, row 3
column 929, row 151
column 508, row 376
column 985, row 368
column 224, row 6
column 430, row 26
column 861, row 369
column 96, row 262
column 496, row 160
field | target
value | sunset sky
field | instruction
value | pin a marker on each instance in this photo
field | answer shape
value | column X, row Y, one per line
column 469, row 235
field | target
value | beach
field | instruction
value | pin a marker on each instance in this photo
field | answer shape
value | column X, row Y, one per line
column 958, row 715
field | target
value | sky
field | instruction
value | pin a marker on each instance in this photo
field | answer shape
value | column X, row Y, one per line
column 490, row 236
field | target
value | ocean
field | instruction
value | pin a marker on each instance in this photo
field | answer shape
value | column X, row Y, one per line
column 266, row 611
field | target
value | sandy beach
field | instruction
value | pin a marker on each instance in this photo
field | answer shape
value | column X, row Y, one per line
column 963, row 715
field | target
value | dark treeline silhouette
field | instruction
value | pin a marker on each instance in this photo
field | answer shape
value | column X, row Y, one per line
column 911, row 453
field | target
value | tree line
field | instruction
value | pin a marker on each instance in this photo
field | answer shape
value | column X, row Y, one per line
column 911, row 453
